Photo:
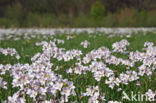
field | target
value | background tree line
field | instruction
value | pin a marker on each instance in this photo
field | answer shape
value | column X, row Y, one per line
column 77, row 13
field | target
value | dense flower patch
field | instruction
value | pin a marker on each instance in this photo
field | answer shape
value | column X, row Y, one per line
column 39, row 79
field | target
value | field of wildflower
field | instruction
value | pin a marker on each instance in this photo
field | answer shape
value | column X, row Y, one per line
column 77, row 67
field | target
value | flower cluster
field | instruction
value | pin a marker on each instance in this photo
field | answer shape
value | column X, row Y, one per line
column 10, row 51
column 120, row 46
column 38, row 78
column 58, row 41
column 3, row 83
column 58, row 53
column 16, row 98
column 85, row 43
column 100, row 68
column 69, row 37
column 94, row 94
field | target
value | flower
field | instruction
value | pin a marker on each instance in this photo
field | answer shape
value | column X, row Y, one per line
column 85, row 43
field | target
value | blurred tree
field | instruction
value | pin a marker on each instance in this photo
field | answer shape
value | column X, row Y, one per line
column 14, row 11
column 97, row 11
column 4, row 4
column 71, row 9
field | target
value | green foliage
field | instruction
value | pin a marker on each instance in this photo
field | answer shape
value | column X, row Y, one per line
column 33, row 19
column 82, row 21
column 14, row 12
column 151, row 21
column 110, row 20
column 6, row 23
column 77, row 13
column 14, row 17
column 97, row 11
column 37, row 20
column 65, row 20
column 141, row 18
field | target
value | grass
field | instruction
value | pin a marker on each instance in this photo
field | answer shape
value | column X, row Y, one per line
column 27, row 48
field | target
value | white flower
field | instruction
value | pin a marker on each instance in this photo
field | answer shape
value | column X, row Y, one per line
column 3, row 84
column 151, row 95
column 32, row 93
column 85, row 44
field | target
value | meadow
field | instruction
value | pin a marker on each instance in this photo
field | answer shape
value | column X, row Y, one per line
column 77, row 67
